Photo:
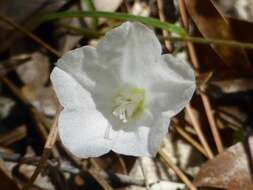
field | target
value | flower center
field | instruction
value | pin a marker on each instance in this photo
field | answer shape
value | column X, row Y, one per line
column 129, row 104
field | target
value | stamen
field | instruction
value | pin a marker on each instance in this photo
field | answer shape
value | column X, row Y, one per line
column 128, row 104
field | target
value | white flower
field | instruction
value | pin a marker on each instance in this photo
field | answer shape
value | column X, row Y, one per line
column 121, row 95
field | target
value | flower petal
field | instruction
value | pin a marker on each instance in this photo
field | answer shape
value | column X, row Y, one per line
column 133, row 143
column 157, row 133
column 81, row 64
column 143, row 138
column 82, row 128
column 129, row 50
column 133, row 139
column 171, row 86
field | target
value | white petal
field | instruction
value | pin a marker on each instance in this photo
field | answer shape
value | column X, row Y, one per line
column 157, row 133
column 143, row 138
column 82, row 128
column 81, row 63
column 130, row 50
column 134, row 143
column 133, row 139
column 171, row 86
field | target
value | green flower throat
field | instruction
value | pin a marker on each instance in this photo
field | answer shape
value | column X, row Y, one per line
column 129, row 104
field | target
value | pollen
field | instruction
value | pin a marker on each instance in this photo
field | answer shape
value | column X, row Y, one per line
column 129, row 104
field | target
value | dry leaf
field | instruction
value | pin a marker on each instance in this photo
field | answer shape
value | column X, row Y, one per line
column 231, row 169
column 241, row 9
column 212, row 24
column 13, row 135
column 35, row 75
column 35, row 72
column 6, row 182
column 23, row 13
column 234, row 86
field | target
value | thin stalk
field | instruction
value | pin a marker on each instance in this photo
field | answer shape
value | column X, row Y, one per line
column 162, row 18
column 165, row 159
column 205, row 99
column 46, row 152
column 192, row 141
column 91, row 7
column 196, row 40
column 30, row 35
column 213, row 41
column 197, row 128
column 212, row 122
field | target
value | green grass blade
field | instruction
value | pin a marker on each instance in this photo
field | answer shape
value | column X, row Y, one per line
column 92, row 8
column 118, row 16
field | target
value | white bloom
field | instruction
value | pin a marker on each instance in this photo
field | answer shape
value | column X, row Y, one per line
column 121, row 95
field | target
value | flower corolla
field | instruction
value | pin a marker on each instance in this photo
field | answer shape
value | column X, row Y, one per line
column 121, row 95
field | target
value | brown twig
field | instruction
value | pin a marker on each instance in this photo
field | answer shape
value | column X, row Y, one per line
column 188, row 138
column 197, row 128
column 165, row 159
column 207, row 152
column 95, row 167
column 205, row 99
column 42, row 125
column 183, row 14
column 14, row 89
column 121, row 179
column 30, row 35
column 160, row 7
column 100, row 180
column 128, row 8
column 46, row 152
column 212, row 122
column 122, row 164
column 13, row 136
column 188, row 108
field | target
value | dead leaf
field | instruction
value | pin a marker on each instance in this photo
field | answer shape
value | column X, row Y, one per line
column 13, row 136
column 41, row 181
column 212, row 24
column 231, row 169
column 6, row 104
column 35, row 75
column 234, row 86
column 23, row 13
column 35, row 72
column 6, row 182
column 237, row 9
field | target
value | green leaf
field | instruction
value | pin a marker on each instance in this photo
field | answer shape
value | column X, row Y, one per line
column 118, row 16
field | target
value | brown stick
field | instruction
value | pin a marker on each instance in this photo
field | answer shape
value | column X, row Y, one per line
column 41, row 130
column 212, row 122
column 195, row 124
column 162, row 18
column 165, row 159
column 205, row 99
column 197, row 127
column 188, row 138
column 30, row 35
column 46, row 152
